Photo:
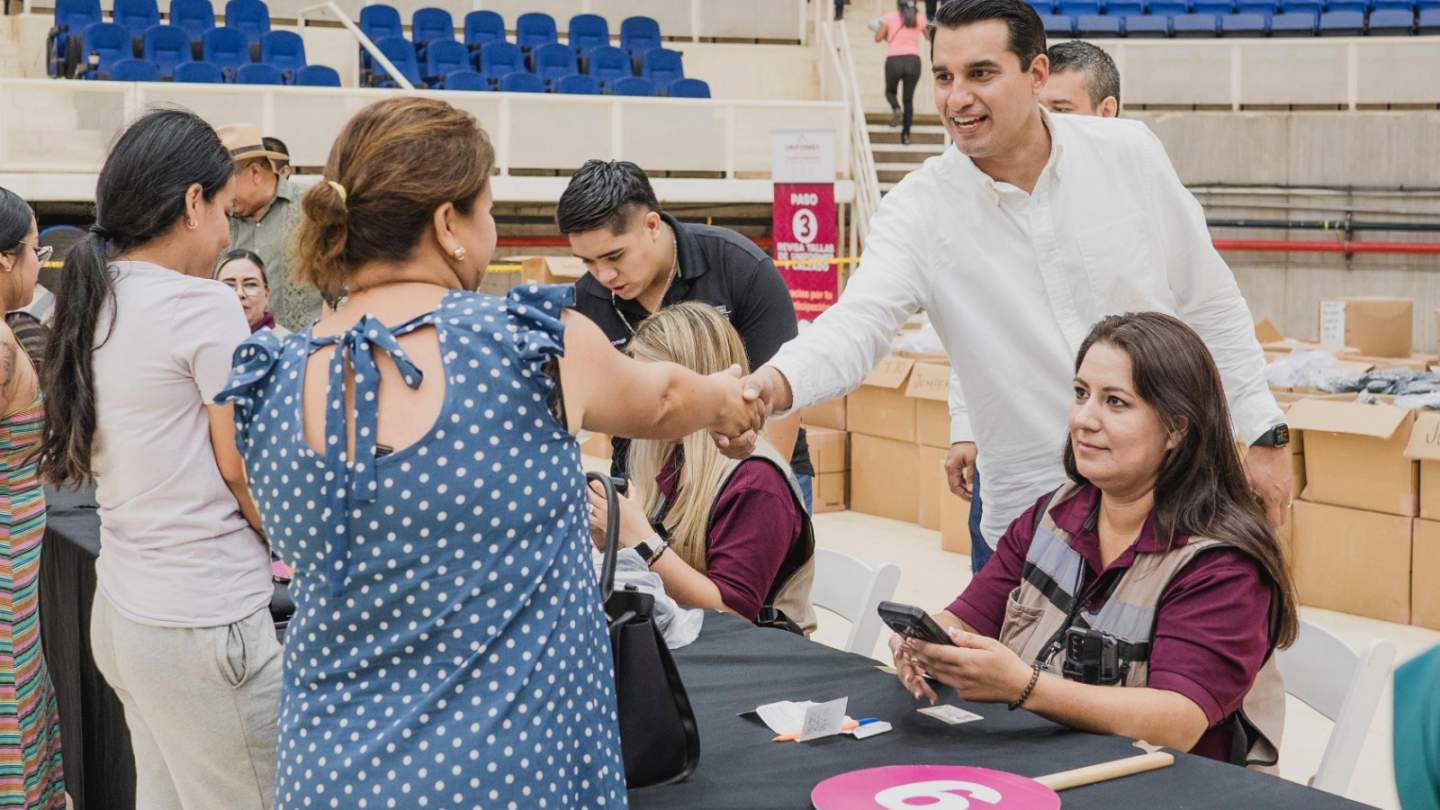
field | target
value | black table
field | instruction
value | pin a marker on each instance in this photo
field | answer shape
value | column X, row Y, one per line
column 734, row 667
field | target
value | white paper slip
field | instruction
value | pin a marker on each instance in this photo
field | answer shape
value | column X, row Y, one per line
column 950, row 715
column 871, row 729
column 808, row 719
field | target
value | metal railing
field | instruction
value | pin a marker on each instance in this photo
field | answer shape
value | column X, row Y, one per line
column 839, row 83
column 360, row 37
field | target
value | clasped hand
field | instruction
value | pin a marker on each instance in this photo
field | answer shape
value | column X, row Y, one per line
column 765, row 392
column 978, row 668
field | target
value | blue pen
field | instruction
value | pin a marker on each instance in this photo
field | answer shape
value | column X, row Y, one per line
column 864, row 720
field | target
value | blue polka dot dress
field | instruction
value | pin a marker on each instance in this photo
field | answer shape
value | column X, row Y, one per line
column 449, row 647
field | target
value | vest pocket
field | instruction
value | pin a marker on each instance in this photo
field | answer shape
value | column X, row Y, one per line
column 1020, row 623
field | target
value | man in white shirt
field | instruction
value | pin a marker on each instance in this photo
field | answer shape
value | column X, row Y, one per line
column 1016, row 241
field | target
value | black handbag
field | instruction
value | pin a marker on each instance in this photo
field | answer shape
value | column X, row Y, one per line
column 658, row 735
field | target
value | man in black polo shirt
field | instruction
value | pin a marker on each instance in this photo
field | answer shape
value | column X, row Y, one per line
column 641, row 259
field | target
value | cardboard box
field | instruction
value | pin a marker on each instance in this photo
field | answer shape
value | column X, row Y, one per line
column 1265, row 332
column 1353, row 561
column 499, row 283
column 1350, row 362
column 551, row 269
column 829, row 414
column 955, row 525
column 879, row 406
column 829, row 450
column 933, row 485
column 832, row 491
column 1424, row 446
column 930, row 388
column 1288, row 345
column 598, row 445
column 1425, row 575
column 882, row 477
column 1355, row 455
column 1377, row 327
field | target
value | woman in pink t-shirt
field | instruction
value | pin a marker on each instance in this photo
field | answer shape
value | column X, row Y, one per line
column 902, row 30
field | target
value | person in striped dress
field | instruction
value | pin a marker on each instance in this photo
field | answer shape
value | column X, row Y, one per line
column 31, row 773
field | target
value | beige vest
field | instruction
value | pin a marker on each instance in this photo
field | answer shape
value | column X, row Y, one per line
column 792, row 596
column 1037, row 612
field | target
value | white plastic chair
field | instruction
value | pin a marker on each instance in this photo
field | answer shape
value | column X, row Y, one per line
column 1324, row 673
column 851, row 588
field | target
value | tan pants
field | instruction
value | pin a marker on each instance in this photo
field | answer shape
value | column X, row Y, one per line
column 201, row 704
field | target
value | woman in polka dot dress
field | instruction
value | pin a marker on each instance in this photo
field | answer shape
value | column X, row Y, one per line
column 412, row 456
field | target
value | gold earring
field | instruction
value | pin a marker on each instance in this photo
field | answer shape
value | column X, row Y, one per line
column 459, row 254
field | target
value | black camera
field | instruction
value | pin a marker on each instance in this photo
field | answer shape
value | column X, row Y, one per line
column 1092, row 657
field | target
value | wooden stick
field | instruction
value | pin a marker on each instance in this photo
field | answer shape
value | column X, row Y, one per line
column 1105, row 771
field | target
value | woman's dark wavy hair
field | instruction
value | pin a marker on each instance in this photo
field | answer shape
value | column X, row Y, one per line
column 1201, row 489
column 139, row 197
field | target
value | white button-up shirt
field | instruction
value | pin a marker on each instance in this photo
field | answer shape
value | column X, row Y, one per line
column 1014, row 281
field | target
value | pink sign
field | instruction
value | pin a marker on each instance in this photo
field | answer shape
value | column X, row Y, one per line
column 932, row 787
column 804, row 227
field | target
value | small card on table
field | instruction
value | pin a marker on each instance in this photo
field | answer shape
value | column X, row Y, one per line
column 950, row 715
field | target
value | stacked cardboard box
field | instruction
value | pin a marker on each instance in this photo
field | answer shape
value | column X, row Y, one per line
column 830, row 456
column 1424, row 447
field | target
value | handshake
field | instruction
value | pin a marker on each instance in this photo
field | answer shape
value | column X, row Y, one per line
column 745, row 404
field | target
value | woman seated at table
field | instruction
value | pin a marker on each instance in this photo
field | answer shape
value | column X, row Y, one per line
column 244, row 272
column 1180, row 582
column 721, row 534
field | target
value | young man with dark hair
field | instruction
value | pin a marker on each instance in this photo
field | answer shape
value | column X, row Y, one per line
column 641, row 259
column 1032, row 228
column 1083, row 80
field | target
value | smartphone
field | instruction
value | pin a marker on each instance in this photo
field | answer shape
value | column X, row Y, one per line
column 911, row 621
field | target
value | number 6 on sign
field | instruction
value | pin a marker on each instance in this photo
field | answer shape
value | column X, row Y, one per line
column 941, row 794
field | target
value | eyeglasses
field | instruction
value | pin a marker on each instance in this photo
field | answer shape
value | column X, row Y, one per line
column 42, row 252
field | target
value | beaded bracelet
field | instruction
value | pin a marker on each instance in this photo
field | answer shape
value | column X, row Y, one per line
column 1030, row 687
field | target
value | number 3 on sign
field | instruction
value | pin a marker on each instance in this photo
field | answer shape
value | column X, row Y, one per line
column 940, row 794
column 805, row 225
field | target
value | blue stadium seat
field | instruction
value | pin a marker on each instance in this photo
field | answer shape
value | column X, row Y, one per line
column 1265, row 8
column 555, row 61
column 284, row 50
column 482, row 27
column 71, row 17
column 662, row 66
column 1392, row 21
column 194, row 17
column 1125, row 9
column 1390, row 5
column 227, row 49
column 1058, row 25
column 101, row 46
column 1147, row 25
column 1294, row 24
column 608, row 64
column 1215, row 8
column 137, row 16
column 1342, row 24
column 1195, row 25
column 378, row 21
column 500, row 59
column 1348, row 5
column 317, row 76
column 167, row 47
column 632, row 86
column 134, row 70
column 250, row 17
column 443, row 57
column 1042, row 7
column 1311, row 6
column 1097, row 25
column 198, row 73
column 465, row 80
column 535, row 29
column 259, row 74
column 401, row 53
column 1079, row 8
column 588, row 32
column 430, row 24
column 639, row 34
column 1169, row 8
column 578, row 84
column 1243, row 25
column 1429, row 21
column 1425, row 5
column 688, row 88
column 522, row 82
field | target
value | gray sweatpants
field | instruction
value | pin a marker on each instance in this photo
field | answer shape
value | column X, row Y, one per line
column 202, row 705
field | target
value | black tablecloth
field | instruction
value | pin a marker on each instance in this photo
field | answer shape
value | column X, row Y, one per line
column 734, row 667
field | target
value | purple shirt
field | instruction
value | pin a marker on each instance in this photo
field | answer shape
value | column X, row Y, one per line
column 1211, row 626
column 752, row 526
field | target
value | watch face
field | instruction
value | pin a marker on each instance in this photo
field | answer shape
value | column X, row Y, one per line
column 1282, row 435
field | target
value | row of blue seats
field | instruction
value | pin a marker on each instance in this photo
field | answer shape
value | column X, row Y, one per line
column 144, row 70
column 576, row 84
column 495, row 60
column 533, row 30
column 1175, row 8
column 1397, row 22
column 101, row 45
column 250, row 18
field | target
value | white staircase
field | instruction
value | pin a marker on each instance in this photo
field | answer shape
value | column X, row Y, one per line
column 894, row 160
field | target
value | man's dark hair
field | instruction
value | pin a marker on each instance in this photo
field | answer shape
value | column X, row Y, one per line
column 1027, row 32
column 1102, row 78
column 277, row 145
column 605, row 193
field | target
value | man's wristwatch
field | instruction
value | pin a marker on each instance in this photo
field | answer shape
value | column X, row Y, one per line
column 651, row 548
column 1278, row 436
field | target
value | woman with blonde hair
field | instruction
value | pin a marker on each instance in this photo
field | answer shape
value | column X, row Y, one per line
column 723, row 534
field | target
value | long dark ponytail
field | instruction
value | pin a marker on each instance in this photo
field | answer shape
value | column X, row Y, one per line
column 1201, row 488
column 140, row 196
column 907, row 13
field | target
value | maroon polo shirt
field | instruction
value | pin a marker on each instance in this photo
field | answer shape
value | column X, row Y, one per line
column 1211, row 627
column 753, row 524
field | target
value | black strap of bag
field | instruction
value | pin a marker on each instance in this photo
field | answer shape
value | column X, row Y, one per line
column 659, row 738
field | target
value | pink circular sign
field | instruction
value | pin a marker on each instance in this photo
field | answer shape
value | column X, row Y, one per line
column 932, row 787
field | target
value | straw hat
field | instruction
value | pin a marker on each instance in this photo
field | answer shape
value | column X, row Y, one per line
column 245, row 143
